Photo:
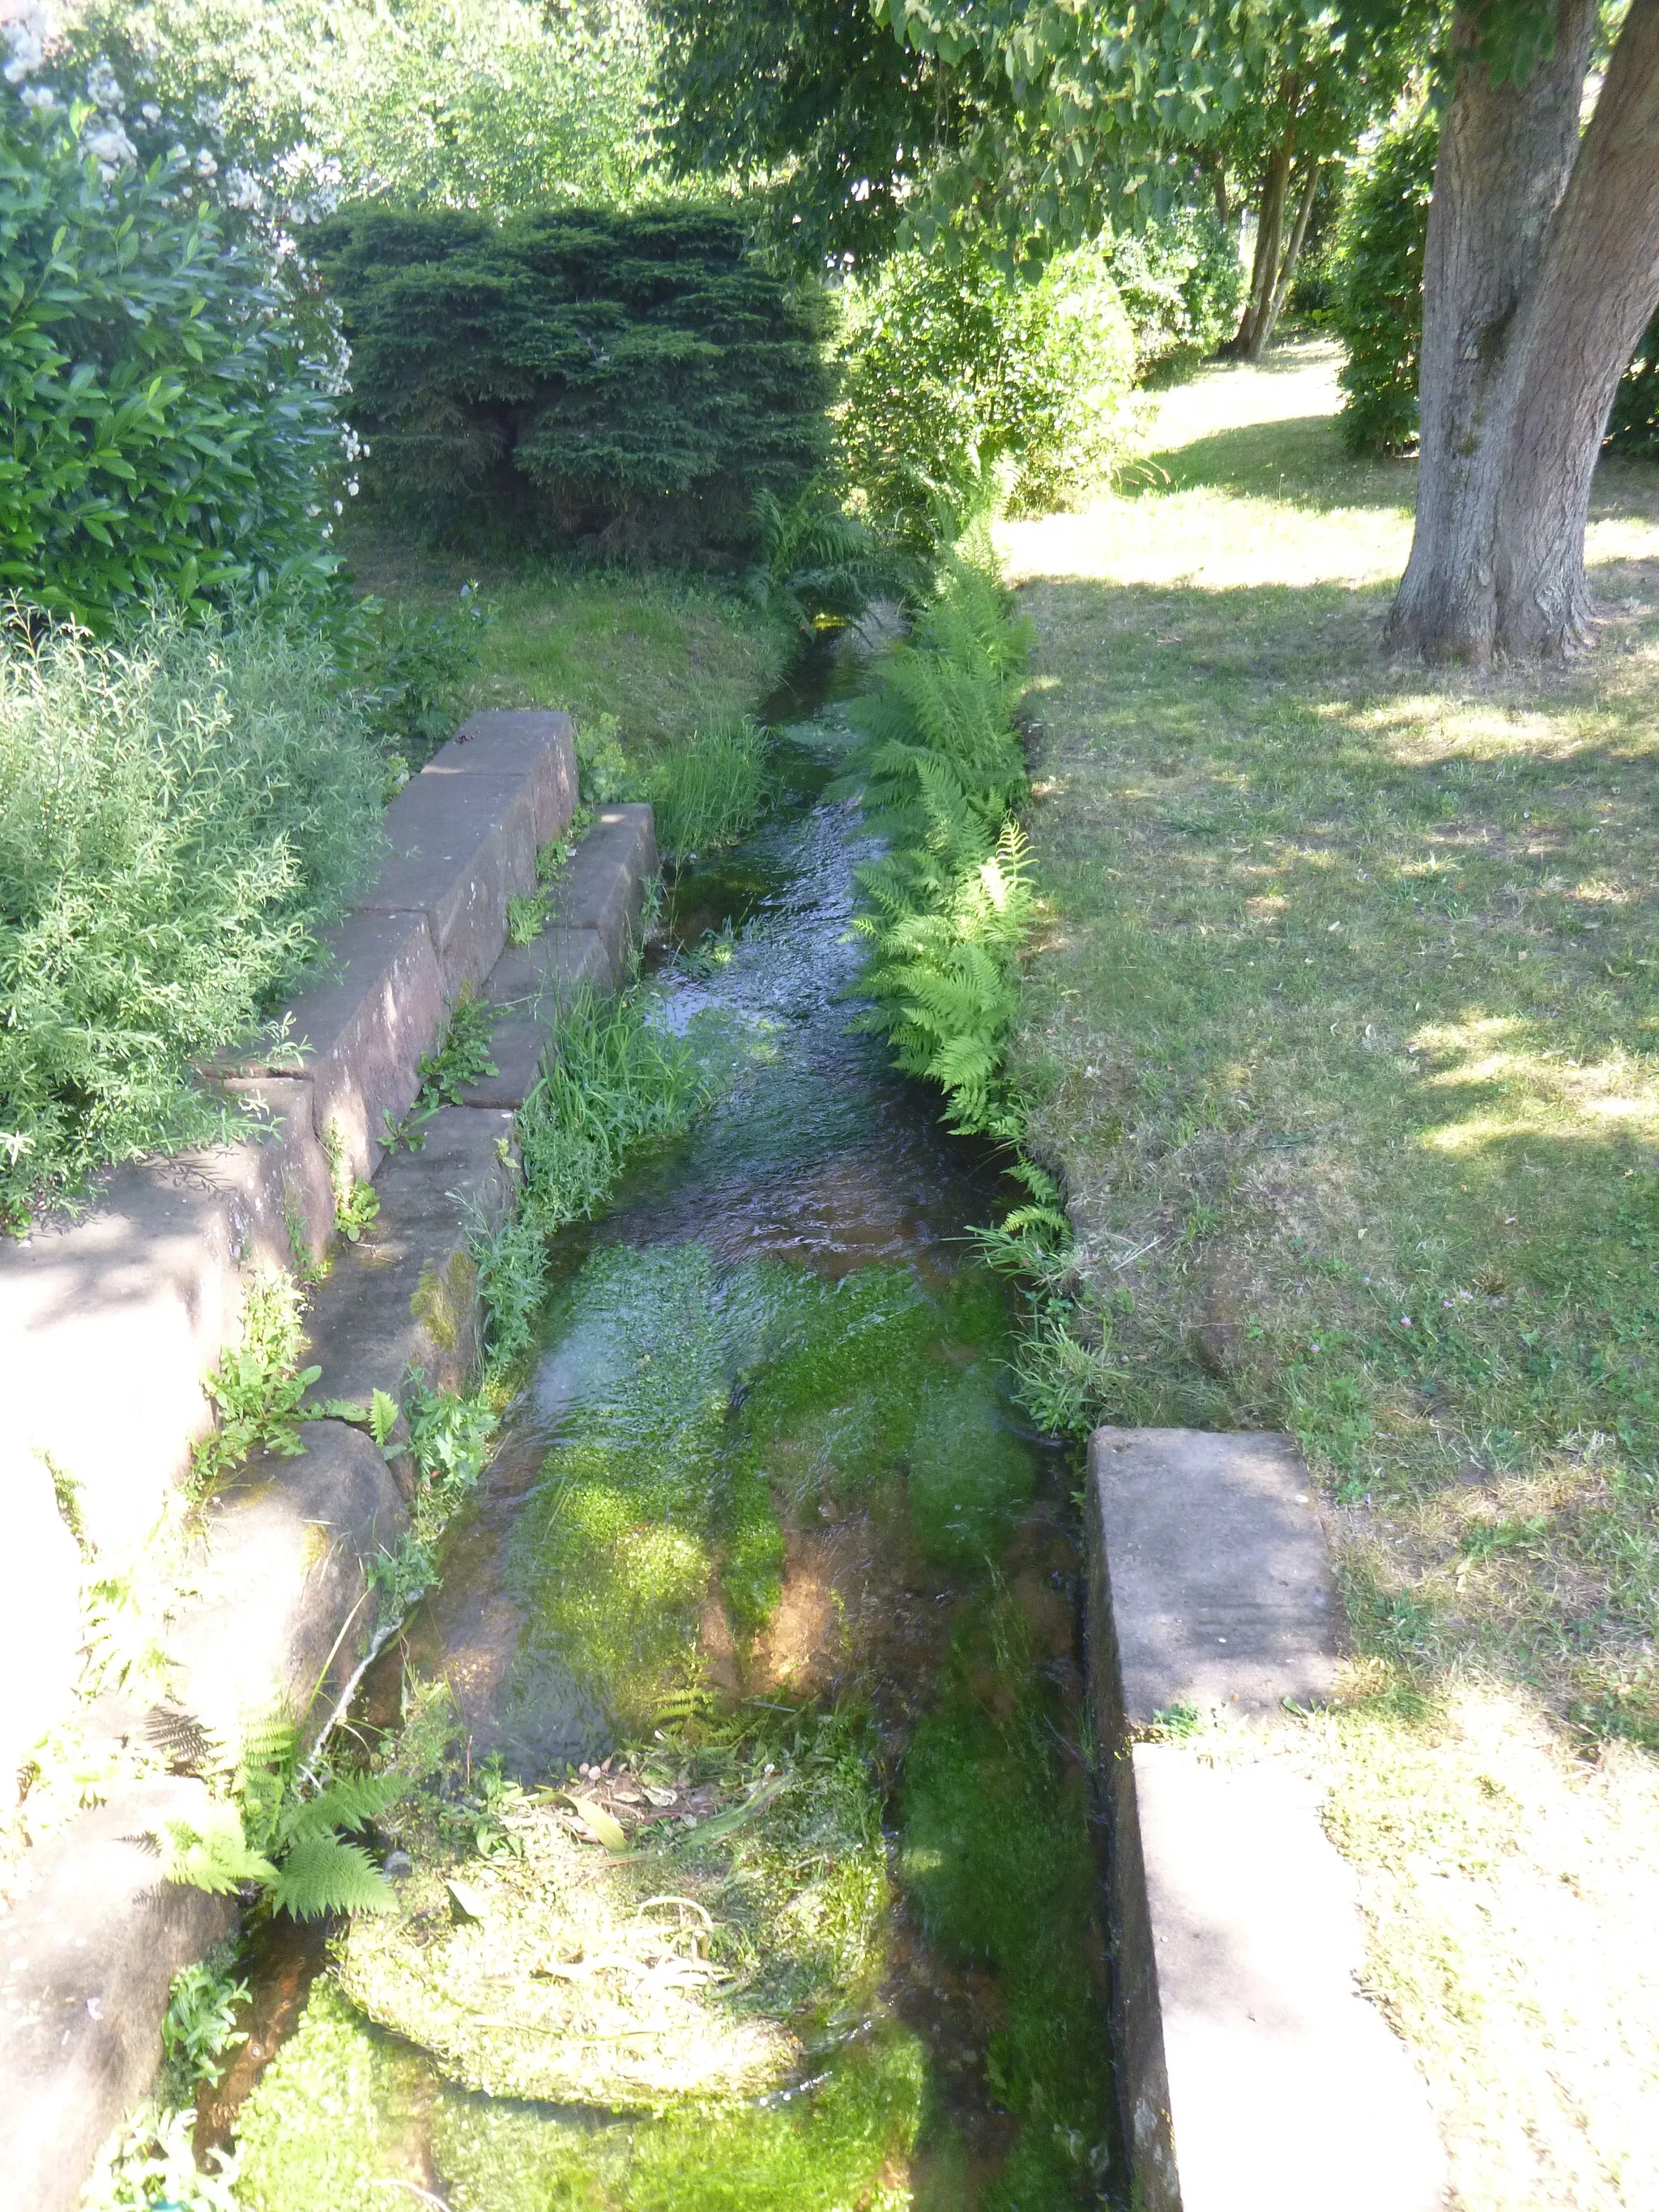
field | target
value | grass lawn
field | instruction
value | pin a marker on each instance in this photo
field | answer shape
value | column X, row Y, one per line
column 1343, row 1025
column 665, row 653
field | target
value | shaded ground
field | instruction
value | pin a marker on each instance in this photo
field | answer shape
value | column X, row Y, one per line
column 1343, row 1027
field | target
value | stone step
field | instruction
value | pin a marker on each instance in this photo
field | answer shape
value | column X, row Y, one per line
column 1253, row 2075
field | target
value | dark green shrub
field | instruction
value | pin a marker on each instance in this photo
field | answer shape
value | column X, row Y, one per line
column 165, row 429
column 179, row 811
column 955, row 371
column 621, row 381
column 1633, row 425
column 1376, row 306
column 1182, row 282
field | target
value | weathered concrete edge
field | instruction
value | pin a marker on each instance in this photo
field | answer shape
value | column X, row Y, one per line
column 110, row 1986
column 1214, row 2142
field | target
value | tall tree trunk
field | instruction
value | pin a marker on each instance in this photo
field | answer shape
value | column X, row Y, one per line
column 1251, row 341
column 1541, row 272
column 1292, row 254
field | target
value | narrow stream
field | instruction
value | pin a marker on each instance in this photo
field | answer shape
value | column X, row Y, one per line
column 769, row 1573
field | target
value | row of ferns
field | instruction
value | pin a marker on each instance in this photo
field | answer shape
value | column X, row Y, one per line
column 946, row 911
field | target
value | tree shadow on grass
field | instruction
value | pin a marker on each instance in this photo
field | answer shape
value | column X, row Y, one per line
column 1302, row 458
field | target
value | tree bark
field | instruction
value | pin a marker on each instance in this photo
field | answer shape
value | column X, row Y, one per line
column 1292, row 253
column 1251, row 341
column 1540, row 273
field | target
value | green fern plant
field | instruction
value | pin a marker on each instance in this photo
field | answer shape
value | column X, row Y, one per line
column 946, row 910
column 258, row 1387
column 278, row 1833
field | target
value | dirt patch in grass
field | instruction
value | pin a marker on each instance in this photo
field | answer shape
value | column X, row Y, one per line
column 1343, row 1029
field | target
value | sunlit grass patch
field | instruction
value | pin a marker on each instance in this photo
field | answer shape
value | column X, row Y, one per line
column 1345, row 1029
column 665, row 653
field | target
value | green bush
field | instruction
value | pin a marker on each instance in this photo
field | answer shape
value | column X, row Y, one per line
column 1182, row 284
column 618, row 380
column 1377, row 306
column 179, row 810
column 1633, row 425
column 954, row 370
column 166, row 428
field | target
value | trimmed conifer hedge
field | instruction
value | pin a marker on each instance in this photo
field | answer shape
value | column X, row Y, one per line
column 619, row 382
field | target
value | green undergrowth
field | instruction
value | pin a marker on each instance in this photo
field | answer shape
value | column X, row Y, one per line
column 612, row 1080
column 709, row 1406
column 994, row 1851
column 345, row 2109
column 946, row 909
column 181, row 810
column 663, row 653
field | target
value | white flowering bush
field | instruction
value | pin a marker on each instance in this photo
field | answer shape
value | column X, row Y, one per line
column 167, row 420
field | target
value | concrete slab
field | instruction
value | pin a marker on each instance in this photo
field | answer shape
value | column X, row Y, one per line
column 284, row 1613
column 40, row 1626
column 405, row 1297
column 1253, row 2075
column 360, row 1030
column 532, row 983
column 603, row 888
column 461, row 847
column 530, row 742
column 556, row 965
column 108, row 1324
column 1286, row 2090
column 86, row 1958
column 1220, row 1591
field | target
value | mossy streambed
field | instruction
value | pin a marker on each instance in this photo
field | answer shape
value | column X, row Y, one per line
column 747, row 1861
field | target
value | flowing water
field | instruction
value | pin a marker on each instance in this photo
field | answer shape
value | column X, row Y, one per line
column 769, row 1573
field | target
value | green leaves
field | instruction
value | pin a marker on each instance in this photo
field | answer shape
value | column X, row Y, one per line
column 165, row 428
column 629, row 380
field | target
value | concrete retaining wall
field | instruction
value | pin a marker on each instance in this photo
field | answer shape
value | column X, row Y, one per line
column 110, row 1324
column 1253, row 2075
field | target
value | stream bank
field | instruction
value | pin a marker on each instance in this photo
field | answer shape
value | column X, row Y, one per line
column 766, row 1544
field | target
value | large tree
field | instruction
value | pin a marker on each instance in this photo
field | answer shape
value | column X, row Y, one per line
column 1541, row 274
column 1124, row 107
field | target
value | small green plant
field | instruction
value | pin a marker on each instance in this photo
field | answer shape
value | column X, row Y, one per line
column 356, row 1204
column 447, row 1074
column 605, row 775
column 408, row 671
column 282, row 1836
column 150, row 2166
column 947, row 908
column 451, row 1438
column 709, row 789
column 258, row 1387
column 816, row 563
column 200, row 2026
column 614, row 1081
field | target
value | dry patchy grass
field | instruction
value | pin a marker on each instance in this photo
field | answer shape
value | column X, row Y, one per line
column 1343, row 1027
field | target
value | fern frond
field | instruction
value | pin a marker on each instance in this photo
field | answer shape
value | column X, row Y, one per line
column 349, row 1801
column 214, row 1856
column 322, row 1875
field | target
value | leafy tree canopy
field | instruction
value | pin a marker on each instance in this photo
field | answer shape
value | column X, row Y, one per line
column 818, row 97
column 1129, row 109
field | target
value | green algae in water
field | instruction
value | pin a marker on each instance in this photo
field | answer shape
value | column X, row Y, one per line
column 710, row 1966
column 701, row 1400
column 995, row 1852
column 337, row 2115
column 844, row 2144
